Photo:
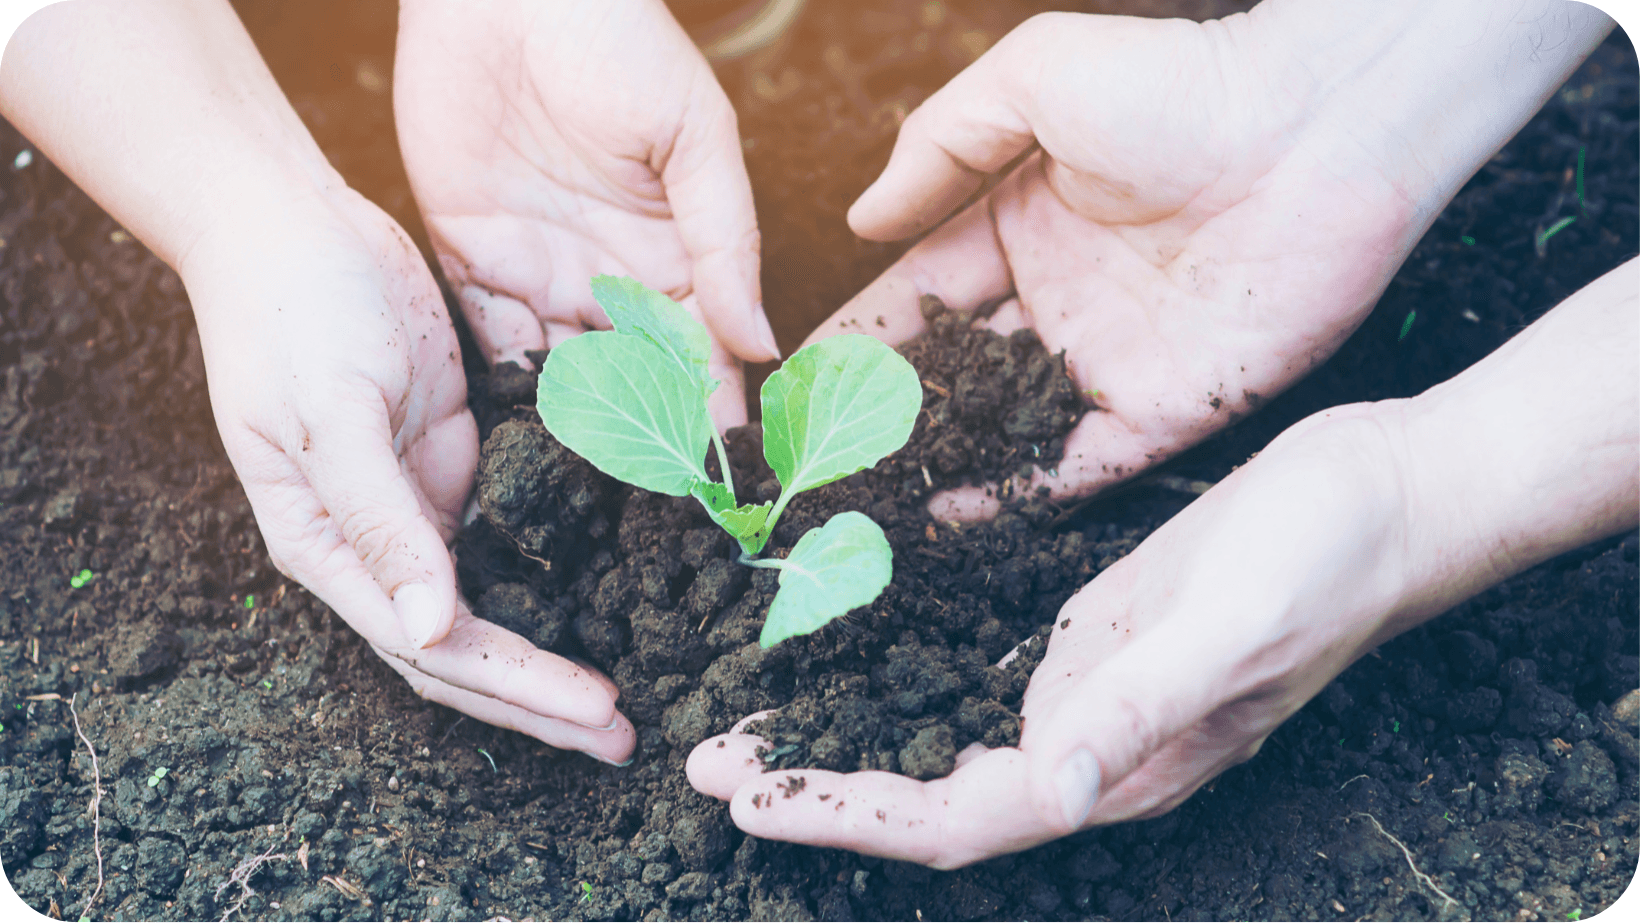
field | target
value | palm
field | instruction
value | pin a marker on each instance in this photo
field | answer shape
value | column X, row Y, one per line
column 568, row 145
column 1190, row 258
column 348, row 426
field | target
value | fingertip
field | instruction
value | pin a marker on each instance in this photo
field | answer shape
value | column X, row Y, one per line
column 965, row 505
column 618, row 747
column 723, row 763
column 727, row 405
column 423, row 616
column 758, row 716
column 1075, row 787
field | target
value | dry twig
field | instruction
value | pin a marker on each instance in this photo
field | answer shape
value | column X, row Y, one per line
column 1417, row 873
column 241, row 877
column 96, row 808
column 348, row 889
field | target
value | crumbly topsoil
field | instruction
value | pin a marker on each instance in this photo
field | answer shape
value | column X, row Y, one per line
column 650, row 591
column 305, row 781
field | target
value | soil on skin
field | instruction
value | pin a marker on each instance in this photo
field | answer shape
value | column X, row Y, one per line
column 304, row 780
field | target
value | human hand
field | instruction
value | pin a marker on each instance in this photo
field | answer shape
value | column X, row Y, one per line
column 1211, row 209
column 1180, row 659
column 550, row 143
column 337, row 386
column 334, row 373
column 1239, row 597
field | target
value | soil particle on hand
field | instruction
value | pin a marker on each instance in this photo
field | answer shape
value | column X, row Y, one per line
column 930, row 755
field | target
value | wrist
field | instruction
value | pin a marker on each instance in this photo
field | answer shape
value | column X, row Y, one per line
column 162, row 112
column 1531, row 452
column 1419, row 92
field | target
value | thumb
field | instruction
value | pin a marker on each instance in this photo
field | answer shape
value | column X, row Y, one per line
column 1089, row 729
column 971, row 128
column 392, row 576
column 711, row 200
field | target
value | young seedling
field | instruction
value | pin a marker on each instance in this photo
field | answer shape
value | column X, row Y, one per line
column 632, row 401
column 83, row 577
column 156, row 776
column 1541, row 241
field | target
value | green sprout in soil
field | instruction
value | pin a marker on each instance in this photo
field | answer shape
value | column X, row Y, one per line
column 1395, row 726
column 1406, row 326
column 1542, row 240
column 1467, row 240
column 1575, row 914
column 84, row 577
column 250, row 601
column 267, row 684
column 490, row 759
column 632, row 401
column 157, row 775
column 586, row 891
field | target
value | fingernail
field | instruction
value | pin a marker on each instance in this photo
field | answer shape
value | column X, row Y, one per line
column 1077, row 783
column 610, row 727
column 417, row 608
column 605, row 760
column 765, row 335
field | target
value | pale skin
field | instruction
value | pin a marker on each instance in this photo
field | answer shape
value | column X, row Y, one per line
column 548, row 143
column 1212, row 229
column 334, row 372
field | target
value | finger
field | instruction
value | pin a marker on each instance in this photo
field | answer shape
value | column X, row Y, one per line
column 613, row 745
column 720, row 764
column 1179, row 768
column 490, row 661
column 979, row 811
column 961, row 263
column 723, row 763
column 969, row 129
column 1113, row 712
column 443, row 461
column 726, row 404
column 505, row 327
column 711, row 200
column 1102, row 450
column 368, row 499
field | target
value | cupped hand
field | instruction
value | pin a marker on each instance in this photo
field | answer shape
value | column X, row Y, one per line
column 1171, row 666
column 337, row 386
column 1195, row 227
column 549, row 143
column 1180, row 659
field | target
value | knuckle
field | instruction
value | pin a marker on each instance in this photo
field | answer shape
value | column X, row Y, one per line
column 373, row 539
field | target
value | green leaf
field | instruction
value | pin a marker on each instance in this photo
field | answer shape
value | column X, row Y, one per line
column 621, row 403
column 748, row 523
column 832, row 570
column 639, row 311
column 837, row 407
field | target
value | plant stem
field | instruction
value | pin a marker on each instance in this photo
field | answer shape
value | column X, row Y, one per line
column 751, row 562
column 786, row 494
column 723, row 463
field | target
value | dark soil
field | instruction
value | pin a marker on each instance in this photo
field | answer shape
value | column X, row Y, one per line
column 1495, row 742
